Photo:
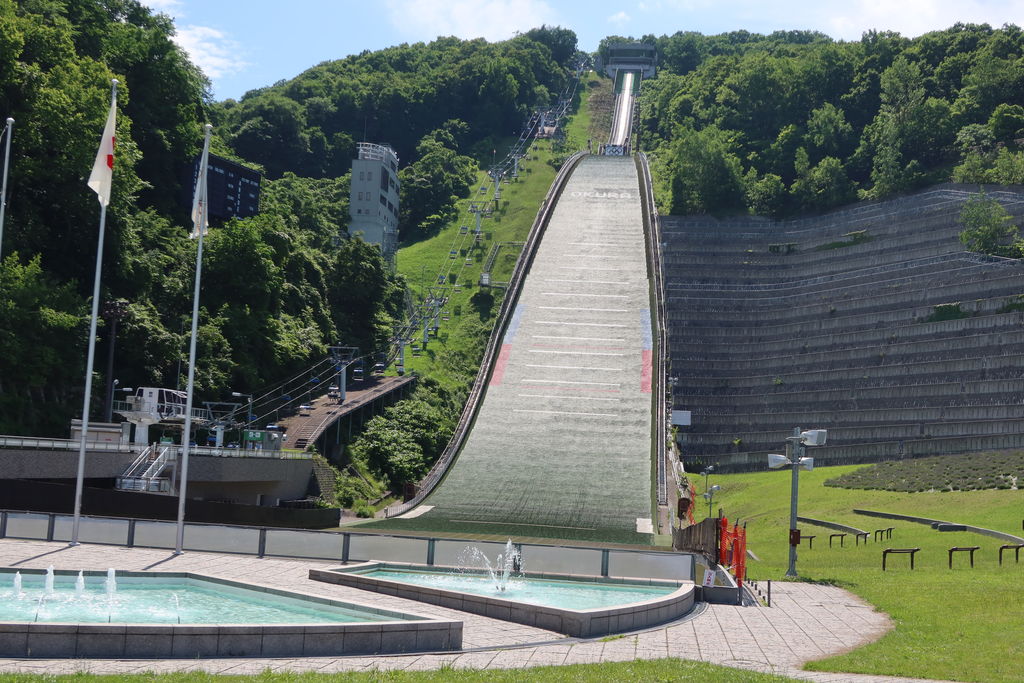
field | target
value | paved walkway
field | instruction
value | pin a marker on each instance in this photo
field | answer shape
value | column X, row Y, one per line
column 805, row 622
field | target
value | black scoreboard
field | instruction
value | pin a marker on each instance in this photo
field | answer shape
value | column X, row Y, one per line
column 233, row 191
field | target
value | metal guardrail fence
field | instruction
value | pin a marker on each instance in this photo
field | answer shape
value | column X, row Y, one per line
column 652, row 229
column 337, row 546
column 33, row 443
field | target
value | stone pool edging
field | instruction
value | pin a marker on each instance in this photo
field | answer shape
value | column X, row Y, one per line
column 589, row 623
column 407, row 633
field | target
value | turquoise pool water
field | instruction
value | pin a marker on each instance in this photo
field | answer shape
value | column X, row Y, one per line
column 577, row 595
column 140, row 600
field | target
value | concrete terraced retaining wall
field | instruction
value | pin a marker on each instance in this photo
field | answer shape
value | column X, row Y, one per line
column 768, row 332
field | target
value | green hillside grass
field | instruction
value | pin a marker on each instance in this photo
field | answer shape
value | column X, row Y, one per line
column 962, row 624
column 471, row 310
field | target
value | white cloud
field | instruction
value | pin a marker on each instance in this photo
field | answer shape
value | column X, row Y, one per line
column 172, row 7
column 212, row 50
column 914, row 17
column 490, row 19
column 619, row 18
column 846, row 20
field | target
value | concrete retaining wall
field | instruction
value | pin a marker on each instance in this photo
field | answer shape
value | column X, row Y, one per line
column 764, row 338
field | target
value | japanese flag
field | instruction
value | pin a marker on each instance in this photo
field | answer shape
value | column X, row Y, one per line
column 102, row 175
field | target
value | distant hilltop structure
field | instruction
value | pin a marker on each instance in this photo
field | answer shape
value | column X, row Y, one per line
column 642, row 57
column 373, row 203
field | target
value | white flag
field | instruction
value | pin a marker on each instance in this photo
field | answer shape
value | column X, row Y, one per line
column 102, row 175
column 200, row 210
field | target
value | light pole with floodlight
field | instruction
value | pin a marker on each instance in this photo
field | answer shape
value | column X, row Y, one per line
column 238, row 394
column 710, row 496
column 794, row 457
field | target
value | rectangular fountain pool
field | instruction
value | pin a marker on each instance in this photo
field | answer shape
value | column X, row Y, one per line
column 574, row 605
column 168, row 600
column 561, row 593
column 148, row 614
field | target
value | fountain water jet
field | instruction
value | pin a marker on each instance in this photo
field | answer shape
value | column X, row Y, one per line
column 79, row 584
column 17, row 584
column 48, row 586
column 504, row 564
column 111, row 584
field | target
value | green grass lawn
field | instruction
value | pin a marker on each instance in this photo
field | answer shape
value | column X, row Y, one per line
column 642, row 670
column 962, row 624
column 472, row 305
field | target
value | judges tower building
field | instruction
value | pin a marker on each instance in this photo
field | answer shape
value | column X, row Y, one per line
column 373, row 204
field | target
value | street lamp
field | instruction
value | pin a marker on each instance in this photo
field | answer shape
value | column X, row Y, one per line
column 113, row 311
column 794, row 457
column 706, row 472
column 710, row 496
column 238, row 394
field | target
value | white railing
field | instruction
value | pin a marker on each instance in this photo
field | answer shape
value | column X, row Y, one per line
column 138, row 462
column 65, row 444
column 73, row 444
column 157, row 464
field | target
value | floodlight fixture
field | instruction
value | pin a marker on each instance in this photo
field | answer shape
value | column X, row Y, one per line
column 814, row 437
column 794, row 457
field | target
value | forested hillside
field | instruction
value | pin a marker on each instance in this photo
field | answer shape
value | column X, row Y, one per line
column 277, row 288
column 796, row 122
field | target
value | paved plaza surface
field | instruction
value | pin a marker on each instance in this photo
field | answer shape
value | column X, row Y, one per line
column 805, row 622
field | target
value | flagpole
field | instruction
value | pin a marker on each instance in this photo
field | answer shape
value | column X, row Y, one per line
column 3, row 187
column 92, row 349
column 183, row 479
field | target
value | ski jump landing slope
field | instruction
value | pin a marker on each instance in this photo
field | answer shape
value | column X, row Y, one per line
column 561, row 445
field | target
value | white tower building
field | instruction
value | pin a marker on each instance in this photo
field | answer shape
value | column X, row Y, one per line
column 373, row 204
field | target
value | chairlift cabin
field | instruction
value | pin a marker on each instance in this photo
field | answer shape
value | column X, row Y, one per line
column 453, row 253
column 463, row 230
column 167, row 404
column 440, row 279
column 357, row 373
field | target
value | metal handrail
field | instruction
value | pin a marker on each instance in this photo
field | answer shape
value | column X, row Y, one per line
column 73, row 444
column 64, row 444
column 137, row 463
column 157, row 464
column 652, row 229
column 469, row 412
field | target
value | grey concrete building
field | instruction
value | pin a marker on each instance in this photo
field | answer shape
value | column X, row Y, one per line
column 373, row 204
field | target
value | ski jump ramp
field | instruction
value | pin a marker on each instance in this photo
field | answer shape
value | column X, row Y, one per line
column 561, row 442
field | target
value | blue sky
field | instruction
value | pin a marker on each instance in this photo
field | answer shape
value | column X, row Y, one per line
column 246, row 44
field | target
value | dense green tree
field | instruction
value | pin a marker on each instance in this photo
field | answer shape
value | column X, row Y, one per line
column 391, row 451
column 886, row 109
column 41, row 321
column 1007, row 123
column 988, row 227
column 432, row 184
column 823, row 186
column 707, row 176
